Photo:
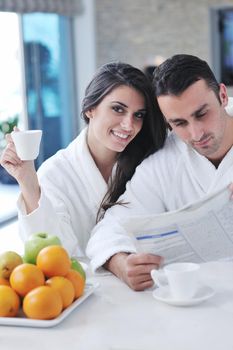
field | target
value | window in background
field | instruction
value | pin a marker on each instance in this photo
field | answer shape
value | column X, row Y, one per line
column 49, row 84
column 221, row 27
column 11, row 95
column 11, row 103
column 227, row 46
column 11, row 87
column 37, row 86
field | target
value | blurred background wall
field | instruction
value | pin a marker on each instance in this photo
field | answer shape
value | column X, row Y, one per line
column 136, row 31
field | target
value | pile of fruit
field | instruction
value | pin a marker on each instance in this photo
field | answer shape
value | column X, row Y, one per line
column 42, row 283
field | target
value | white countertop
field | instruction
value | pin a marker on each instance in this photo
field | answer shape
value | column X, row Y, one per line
column 117, row 318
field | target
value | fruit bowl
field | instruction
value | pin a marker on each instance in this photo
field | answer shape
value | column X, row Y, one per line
column 26, row 322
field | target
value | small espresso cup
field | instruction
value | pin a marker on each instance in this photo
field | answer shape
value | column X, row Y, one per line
column 181, row 278
column 27, row 143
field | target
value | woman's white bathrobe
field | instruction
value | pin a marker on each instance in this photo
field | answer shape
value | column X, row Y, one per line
column 167, row 180
column 72, row 189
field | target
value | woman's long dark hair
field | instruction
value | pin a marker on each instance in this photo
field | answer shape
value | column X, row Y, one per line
column 150, row 138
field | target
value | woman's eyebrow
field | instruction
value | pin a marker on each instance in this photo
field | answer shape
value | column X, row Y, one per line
column 120, row 103
column 124, row 105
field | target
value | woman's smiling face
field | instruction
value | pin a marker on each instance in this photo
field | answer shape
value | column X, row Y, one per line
column 115, row 122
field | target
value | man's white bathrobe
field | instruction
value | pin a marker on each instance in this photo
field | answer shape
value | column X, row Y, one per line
column 167, row 180
column 72, row 190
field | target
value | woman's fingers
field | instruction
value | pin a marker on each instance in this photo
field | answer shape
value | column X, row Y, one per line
column 10, row 156
column 9, row 138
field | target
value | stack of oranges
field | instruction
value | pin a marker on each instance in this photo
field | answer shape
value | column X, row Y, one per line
column 44, row 290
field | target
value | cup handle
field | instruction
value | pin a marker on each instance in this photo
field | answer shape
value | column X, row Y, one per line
column 159, row 278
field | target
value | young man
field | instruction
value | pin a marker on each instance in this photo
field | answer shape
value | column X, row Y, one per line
column 196, row 160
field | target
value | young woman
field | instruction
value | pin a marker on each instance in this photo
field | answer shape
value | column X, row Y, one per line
column 76, row 185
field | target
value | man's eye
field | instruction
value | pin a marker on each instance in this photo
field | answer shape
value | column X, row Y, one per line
column 201, row 115
column 118, row 109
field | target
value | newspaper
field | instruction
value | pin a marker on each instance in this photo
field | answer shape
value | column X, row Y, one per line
column 202, row 231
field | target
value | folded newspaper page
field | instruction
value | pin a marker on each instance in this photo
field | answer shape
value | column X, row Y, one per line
column 202, row 231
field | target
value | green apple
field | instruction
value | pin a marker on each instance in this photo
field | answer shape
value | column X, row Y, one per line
column 35, row 243
column 75, row 265
column 8, row 261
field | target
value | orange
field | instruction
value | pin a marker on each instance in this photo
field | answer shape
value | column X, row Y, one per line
column 53, row 261
column 42, row 303
column 64, row 287
column 78, row 282
column 25, row 277
column 4, row 282
column 9, row 302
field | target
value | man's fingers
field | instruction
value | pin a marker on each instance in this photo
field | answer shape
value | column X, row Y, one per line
column 141, row 269
column 140, row 282
column 145, row 258
column 143, row 285
column 231, row 189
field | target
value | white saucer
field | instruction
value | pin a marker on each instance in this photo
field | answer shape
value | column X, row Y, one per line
column 163, row 294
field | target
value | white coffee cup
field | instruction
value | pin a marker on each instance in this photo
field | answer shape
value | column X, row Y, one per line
column 27, row 143
column 181, row 278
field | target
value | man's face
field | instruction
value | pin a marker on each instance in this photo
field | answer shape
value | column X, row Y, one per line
column 198, row 118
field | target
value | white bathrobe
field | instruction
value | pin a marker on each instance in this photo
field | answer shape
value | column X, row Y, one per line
column 167, row 180
column 72, row 189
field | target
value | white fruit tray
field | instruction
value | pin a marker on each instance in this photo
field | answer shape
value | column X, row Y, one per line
column 26, row 322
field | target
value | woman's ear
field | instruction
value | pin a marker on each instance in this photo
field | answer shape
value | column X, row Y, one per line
column 89, row 114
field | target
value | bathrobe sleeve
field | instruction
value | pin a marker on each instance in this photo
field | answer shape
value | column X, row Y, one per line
column 142, row 197
column 51, row 218
column 71, row 191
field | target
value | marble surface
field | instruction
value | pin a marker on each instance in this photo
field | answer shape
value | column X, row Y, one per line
column 116, row 318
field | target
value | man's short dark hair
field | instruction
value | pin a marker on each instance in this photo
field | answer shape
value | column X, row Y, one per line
column 177, row 73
